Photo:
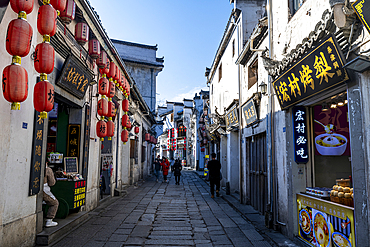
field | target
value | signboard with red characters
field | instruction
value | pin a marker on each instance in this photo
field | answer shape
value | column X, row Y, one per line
column 79, row 193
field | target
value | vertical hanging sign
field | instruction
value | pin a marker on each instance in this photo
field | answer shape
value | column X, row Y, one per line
column 87, row 141
column 73, row 145
column 300, row 134
column 35, row 175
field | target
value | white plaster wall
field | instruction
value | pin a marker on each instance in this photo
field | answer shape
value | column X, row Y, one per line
column 233, row 161
column 15, row 149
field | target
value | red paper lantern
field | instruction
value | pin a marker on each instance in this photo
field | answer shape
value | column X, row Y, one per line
column 68, row 14
column 21, row 5
column 43, row 97
column 136, row 130
column 125, row 105
column 59, row 5
column 101, row 61
column 111, row 109
column 147, row 137
column 117, row 74
column 103, row 107
column 124, row 121
column 124, row 135
column 105, row 69
column 101, row 129
column 112, row 70
column 82, row 33
column 18, row 38
column 94, row 48
column 110, row 130
column 112, row 89
column 15, row 85
column 129, row 125
column 44, row 58
column 47, row 20
column 103, row 87
column 151, row 139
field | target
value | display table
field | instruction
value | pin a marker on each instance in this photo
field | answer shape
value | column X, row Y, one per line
column 324, row 223
column 71, row 196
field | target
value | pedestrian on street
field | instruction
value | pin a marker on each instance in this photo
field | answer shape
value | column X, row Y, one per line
column 165, row 168
column 49, row 198
column 157, row 168
column 214, row 167
column 177, row 167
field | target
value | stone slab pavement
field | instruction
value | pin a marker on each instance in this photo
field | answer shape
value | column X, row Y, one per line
column 165, row 214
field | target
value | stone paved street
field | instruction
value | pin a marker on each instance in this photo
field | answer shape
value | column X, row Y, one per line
column 161, row 214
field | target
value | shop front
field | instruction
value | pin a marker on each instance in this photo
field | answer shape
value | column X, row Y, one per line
column 68, row 137
column 313, row 91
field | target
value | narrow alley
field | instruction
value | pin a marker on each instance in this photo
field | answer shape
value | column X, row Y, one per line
column 161, row 214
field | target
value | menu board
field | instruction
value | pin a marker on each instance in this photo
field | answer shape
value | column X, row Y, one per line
column 323, row 223
column 70, row 165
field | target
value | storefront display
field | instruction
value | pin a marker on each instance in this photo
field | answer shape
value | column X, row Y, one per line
column 323, row 223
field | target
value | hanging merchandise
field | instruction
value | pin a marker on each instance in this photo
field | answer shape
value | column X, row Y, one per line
column 125, row 105
column 43, row 98
column 15, row 84
column 101, row 129
column 59, row 5
column 101, row 61
column 94, row 48
column 82, row 33
column 124, row 136
column 68, row 14
column 18, row 44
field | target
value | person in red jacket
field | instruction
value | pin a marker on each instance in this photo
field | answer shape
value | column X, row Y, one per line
column 165, row 168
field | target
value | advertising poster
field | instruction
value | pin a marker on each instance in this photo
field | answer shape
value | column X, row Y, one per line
column 324, row 224
column 331, row 131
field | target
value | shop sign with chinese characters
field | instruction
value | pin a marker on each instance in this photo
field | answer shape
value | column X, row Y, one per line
column 322, row 222
column 231, row 118
column 36, row 158
column 74, row 78
column 320, row 70
column 362, row 9
column 73, row 145
column 250, row 112
column 300, row 134
column 87, row 142
column 79, row 194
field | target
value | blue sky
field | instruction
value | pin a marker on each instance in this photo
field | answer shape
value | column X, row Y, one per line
column 188, row 33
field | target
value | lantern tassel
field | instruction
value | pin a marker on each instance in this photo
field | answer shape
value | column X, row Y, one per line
column 102, row 139
column 43, row 115
column 109, row 138
column 16, row 106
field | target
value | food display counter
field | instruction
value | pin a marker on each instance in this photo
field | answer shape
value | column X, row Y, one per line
column 323, row 223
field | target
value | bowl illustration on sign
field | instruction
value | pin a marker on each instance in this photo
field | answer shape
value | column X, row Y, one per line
column 305, row 221
column 331, row 144
column 321, row 230
column 340, row 240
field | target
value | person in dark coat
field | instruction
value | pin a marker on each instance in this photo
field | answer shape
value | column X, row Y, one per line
column 177, row 167
column 214, row 167
column 157, row 168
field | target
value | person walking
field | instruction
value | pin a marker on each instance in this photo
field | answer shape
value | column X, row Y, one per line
column 165, row 168
column 177, row 167
column 157, row 168
column 214, row 167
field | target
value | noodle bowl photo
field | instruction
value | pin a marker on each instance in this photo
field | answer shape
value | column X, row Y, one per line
column 321, row 230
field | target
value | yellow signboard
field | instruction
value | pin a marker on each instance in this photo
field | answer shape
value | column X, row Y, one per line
column 323, row 223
